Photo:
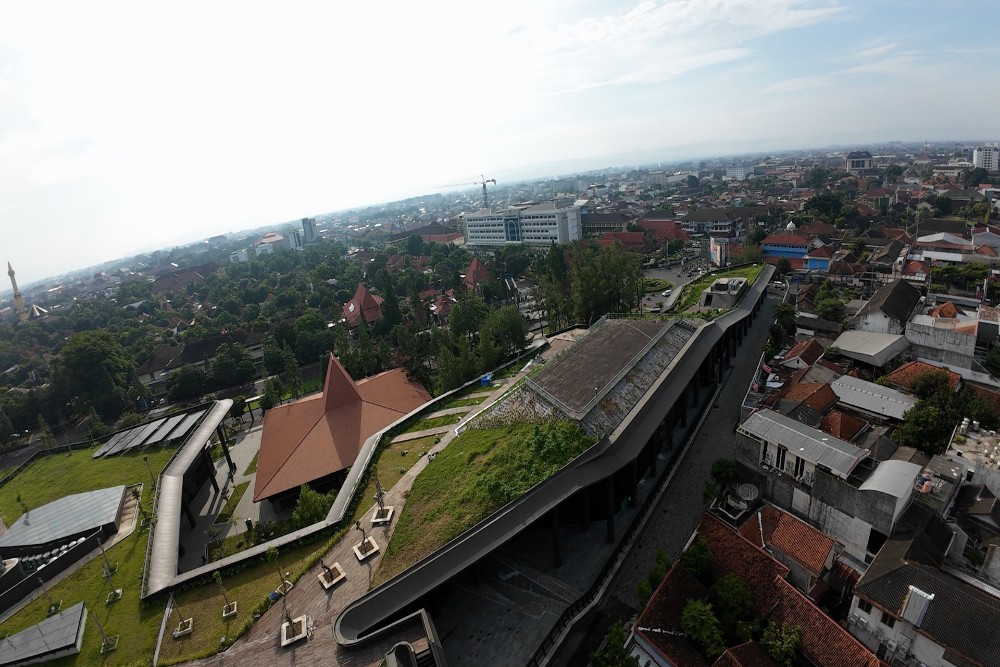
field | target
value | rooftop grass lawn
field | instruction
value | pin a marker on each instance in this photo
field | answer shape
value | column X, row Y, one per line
column 393, row 462
column 476, row 474
column 460, row 401
column 204, row 604
column 234, row 499
column 137, row 626
column 51, row 477
column 692, row 291
column 433, row 422
column 252, row 468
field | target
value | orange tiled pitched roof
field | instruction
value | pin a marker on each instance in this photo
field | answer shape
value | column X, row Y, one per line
column 808, row 350
column 946, row 309
column 363, row 302
column 824, row 642
column 663, row 612
column 842, row 425
column 320, row 435
column 908, row 373
column 817, row 395
column 476, row 273
column 797, row 539
column 750, row 654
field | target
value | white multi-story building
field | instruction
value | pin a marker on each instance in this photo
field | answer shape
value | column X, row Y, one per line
column 986, row 157
column 531, row 224
column 739, row 172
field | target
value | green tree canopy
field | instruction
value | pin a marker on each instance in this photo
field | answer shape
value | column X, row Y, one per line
column 614, row 653
column 702, row 628
column 93, row 368
column 232, row 366
column 782, row 642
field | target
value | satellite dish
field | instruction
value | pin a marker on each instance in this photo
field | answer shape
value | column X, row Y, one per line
column 747, row 492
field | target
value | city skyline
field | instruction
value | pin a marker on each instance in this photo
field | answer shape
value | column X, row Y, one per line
column 134, row 127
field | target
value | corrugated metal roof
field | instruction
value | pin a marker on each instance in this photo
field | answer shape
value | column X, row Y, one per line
column 807, row 443
column 895, row 478
column 870, row 347
column 872, row 397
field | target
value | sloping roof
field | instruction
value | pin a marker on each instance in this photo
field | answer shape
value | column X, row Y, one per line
column 842, row 425
column 871, row 397
column 476, row 273
column 750, row 654
column 892, row 477
column 789, row 535
column 64, row 518
column 817, row 395
column 57, row 635
column 320, row 435
column 808, row 350
column 897, row 300
column 364, row 302
column 824, row 642
column 786, row 239
column 871, row 347
column 914, row 267
column 663, row 612
column 907, row 374
column 807, row 443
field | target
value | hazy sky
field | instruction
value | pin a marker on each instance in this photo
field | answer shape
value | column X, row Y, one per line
column 136, row 125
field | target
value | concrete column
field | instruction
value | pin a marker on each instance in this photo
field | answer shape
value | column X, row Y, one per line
column 555, row 536
column 225, row 449
column 211, row 469
column 633, row 494
column 610, row 522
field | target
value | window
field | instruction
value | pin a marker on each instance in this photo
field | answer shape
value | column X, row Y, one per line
column 865, row 606
column 888, row 621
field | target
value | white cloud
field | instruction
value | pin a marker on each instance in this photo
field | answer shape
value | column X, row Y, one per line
column 802, row 83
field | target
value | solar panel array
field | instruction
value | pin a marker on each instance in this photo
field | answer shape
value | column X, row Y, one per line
column 63, row 518
column 151, row 433
column 56, row 633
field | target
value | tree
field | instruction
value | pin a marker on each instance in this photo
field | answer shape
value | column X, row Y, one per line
column 697, row 557
column 310, row 508
column 893, row 173
column 692, row 181
column 702, row 628
column 93, row 368
column 782, row 642
column 731, row 600
column 614, row 653
column 725, row 471
column 415, row 245
column 232, row 366
column 973, row 177
column 828, row 204
column 783, row 266
column 312, row 338
column 467, row 316
column 186, row 383
column 784, row 317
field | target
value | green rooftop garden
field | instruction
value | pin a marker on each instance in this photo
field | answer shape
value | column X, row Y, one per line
column 475, row 475
column 692, row 291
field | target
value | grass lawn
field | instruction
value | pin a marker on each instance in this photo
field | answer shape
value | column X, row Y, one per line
column 462, row 401
column 392, row 464
column 692, row 291
column 448, row 497
column 234, row 499
column 651, row 285
column 137, row 626
column 52, row 477
column 433, row 422
column 204, row 604
column 252, row 468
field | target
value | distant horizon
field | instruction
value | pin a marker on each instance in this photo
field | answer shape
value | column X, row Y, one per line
column 534, row 174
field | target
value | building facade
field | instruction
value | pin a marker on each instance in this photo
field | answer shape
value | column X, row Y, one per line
column 532, row 224
column 986, row 157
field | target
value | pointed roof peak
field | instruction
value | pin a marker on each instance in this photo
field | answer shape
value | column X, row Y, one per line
column 339, row 388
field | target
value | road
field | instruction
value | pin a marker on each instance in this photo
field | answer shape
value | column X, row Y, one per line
column 679, row 510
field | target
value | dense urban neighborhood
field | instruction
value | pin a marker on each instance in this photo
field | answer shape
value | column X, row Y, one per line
column 733, row 411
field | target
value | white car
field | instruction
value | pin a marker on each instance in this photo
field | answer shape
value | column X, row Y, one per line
column 667, row 292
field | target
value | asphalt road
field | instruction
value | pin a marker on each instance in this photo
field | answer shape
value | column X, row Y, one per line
column 680, row 508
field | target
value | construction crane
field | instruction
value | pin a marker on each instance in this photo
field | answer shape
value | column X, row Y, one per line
column 482, row 181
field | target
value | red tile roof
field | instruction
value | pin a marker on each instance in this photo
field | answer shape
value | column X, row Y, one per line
column 824, row 251
column 908, row 373
column 320, row 435
column 750, row 654
column 663, row 612
column 842, row 425
column 364, row 302
column 914, row 267
column 792, row 537
column 630, row 240
column 808, row 350
column 665, row 230
column 817, row 395
column 794, row 240
column 476, row 273
column 824, row 642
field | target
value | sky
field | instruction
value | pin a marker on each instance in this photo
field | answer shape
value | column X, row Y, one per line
column 132, row 126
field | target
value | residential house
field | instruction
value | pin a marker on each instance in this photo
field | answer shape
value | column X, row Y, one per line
column 476, row 273
column 363, row 303
column 177, row 281
column 785, row 245
column 907, row 375
column 818, row 259
column 889, row 309
column 916, row 272
column 803, row 354
column 858, row 162
column 633, row 241
column 806, row 552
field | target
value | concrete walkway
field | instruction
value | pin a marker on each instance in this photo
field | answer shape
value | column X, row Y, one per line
column 260, row 645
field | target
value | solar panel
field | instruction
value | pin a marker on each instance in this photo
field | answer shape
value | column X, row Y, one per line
column 70, row 515
column 123, row 443
column 115, row 439
column 163, row 431
column 186, row 425
column 143, row 435
column 56, row 633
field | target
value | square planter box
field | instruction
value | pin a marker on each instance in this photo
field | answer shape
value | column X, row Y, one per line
column 185, row 627
column 334, row 577
column 110, row 645
column 114, row 596
column 283, row 589
column 295, row 631
column 54, row 608
column 366, row 549
column 383, row 517
column 230, row 609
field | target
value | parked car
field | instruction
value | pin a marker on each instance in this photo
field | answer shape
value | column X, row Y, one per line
column 667, row 292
